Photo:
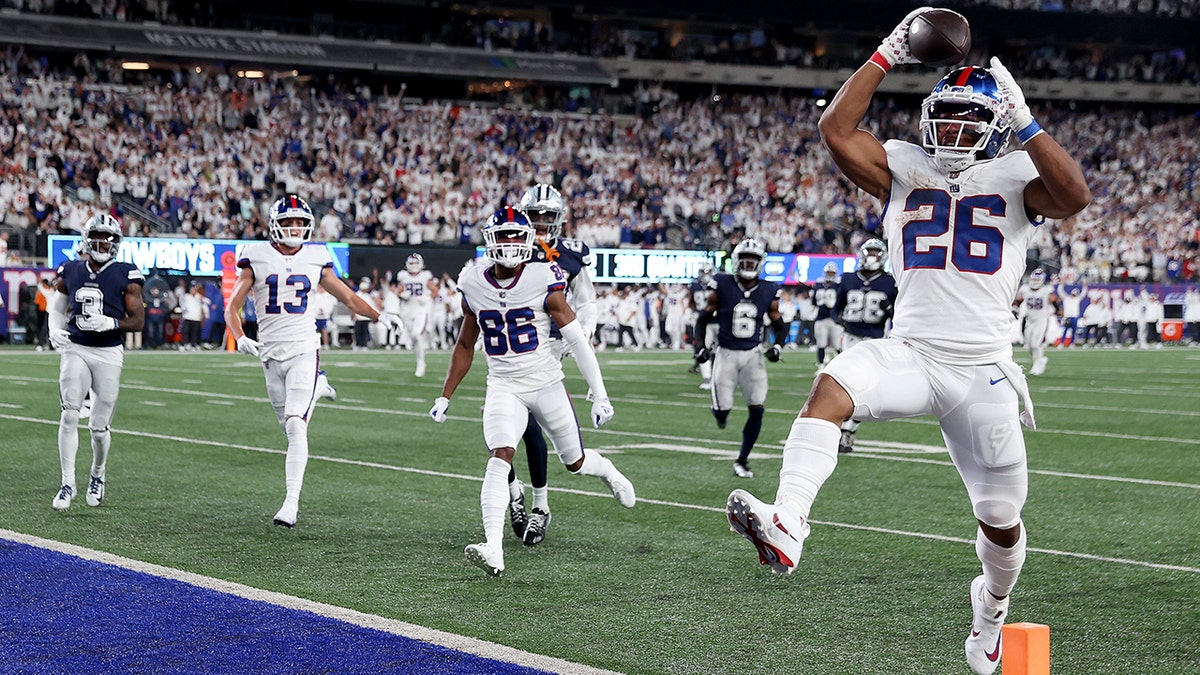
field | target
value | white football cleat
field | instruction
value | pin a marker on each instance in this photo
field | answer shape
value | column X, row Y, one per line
column 742, row 471
column 62, row 500
column 95, row 491
column 775, row 531
column 706, row 385
column 420, row 370
column 486, row 558
column 985, row 640
column 286, row 517
column 622, row 489
column 324, row 389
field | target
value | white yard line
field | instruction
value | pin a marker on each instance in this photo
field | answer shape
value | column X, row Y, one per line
column 642, row 500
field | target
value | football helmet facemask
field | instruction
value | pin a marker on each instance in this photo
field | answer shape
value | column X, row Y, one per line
column 959, row 119
column 748, row 258
column 415, row 263
column 508, row 237
column 1037, row 278
column 546, row 209
column 287, row 209
column 101, row 238
column 871, row 255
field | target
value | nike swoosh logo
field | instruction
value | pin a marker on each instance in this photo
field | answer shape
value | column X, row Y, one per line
column 1000, row 379
column 992, row 656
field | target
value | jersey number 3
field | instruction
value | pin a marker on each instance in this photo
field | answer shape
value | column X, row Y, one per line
column 300, row 286
column 973, row 248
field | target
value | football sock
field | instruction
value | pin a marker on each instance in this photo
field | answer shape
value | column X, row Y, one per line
column 540, row 499
column 101, row 440
column 595, row 464
column 723, row 416
column 809, row 457
column 706, row 371
column 750, row 432
column 493, row 501
column 820, row 355
column 536, row 452
column 514, row 488
column 1001, row 566
column 297, row 456
column 68, row 444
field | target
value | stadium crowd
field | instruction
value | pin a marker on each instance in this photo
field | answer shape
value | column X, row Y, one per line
column 202, row 153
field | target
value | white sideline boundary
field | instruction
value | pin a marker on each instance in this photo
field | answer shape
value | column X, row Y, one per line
column 490, row 650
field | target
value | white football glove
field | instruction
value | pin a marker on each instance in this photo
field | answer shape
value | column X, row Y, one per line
column 602, row 412
column 390, row 320
column 894, row 48
column 96, row 323
column 1016, row 111
column 438, row 411
column 60, row 339
column 247, row 346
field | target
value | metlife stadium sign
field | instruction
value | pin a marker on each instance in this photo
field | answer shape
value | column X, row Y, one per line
column 184, row 257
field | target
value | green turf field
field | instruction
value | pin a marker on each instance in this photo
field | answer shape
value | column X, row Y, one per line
column 391, row 499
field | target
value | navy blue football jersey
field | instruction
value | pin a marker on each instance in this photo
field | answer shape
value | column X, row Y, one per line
column 825, row 297
column 740, row 311
column 572, row 257
column 865, row 306
column 698, row 291
column 90, row 292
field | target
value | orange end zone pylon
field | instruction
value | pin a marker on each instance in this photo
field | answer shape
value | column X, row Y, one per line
column 1026, row 649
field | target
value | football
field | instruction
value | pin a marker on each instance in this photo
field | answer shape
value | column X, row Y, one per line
column 939, row 37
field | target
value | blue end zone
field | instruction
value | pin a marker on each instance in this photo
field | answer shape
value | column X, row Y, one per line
column 62, row 614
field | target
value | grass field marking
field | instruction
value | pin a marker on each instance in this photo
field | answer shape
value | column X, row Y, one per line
column 1105, row 408
column 641, row 500
column 1040, row 472
column 11, row 406
column 1044, row 551
column 489, row 650
column 1143, row 391
column 19, row 379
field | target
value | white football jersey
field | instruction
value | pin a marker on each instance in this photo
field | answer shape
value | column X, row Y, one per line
column 514, row 323
column 1036, row 305
column 957, row 247
column 414, row 288
column 283, row 286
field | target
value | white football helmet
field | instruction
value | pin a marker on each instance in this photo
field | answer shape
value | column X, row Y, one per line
column 546, row 209
column 288, row 208
column 871, row 255
column 748, row 258
column 831, row 271
column 508, row 237
column 101, row 237
column 415, row 263
column 706, row 272
column 1037, row 278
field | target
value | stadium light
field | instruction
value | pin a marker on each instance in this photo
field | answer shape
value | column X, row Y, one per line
column 135, row 65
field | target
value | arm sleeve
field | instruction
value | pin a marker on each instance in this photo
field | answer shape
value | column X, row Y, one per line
column 702, row 321
column 780, row 330
column 586, row 310
column 585, row 358
column 57, row 314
